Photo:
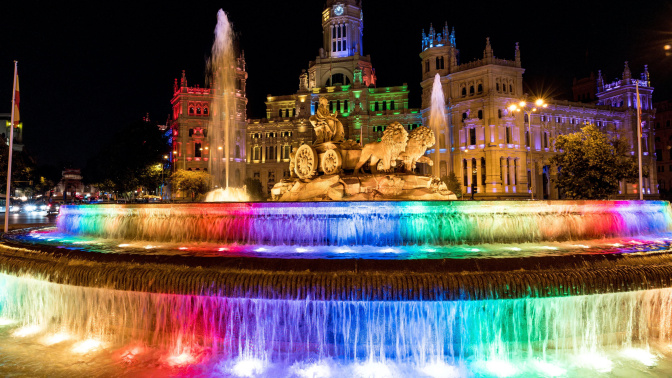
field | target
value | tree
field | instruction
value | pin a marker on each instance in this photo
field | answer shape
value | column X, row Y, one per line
column 196, row 183
column 254, row 189
column 453, row 184
column 591, row 164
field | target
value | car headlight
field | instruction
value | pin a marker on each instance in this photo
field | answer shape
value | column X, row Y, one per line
column 31, row 208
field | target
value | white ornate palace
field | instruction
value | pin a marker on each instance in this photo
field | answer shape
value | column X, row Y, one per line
column 501, row 154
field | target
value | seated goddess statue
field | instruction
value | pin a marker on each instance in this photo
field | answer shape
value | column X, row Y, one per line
column 327, row 127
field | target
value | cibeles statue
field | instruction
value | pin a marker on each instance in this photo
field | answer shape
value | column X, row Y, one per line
column 327, row 127
column 331, row 169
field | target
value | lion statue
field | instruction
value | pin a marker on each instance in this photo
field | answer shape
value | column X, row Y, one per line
column 418, row 141
column 383, row 155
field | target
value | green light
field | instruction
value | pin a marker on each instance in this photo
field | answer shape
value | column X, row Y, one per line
column 414, row 112
column 397, row 112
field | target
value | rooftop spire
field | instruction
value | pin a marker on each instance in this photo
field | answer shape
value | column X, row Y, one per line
column 627, row 75
column 487, row 53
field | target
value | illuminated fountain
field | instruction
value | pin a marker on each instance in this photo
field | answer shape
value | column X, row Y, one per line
column 329, row 288
column 223, row 117
column 321, row 289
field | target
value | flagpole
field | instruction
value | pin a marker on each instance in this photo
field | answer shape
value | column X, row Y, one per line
column 11, row 145
column 639, row 140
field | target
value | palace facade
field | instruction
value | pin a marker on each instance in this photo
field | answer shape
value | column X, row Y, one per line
column 499, row 153
column 504, row 154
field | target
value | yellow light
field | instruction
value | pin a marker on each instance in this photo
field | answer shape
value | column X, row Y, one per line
column 513, row 107
column 165, row 156
column 667, row 47
column 539, row 102
column 207, row 148
column 545, row 105
column 219, row 148
column 522, row 104
column 534, row 109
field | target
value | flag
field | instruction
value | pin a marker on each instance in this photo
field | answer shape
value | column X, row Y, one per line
column 16, row 104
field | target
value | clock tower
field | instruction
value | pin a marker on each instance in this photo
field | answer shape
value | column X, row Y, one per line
column 342, row 27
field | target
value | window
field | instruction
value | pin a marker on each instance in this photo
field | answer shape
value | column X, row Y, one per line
column 545, row 139
column 474, row 172
column 256, row 155
column 427, row 65
column 483, row 178
column 657, row 125
column 191, row 110
column 499, row 113
column 464, row 116
column 197, row 150
column 464, row 92
column 205, row 132
column 384, row 105
column 480, row 114
column 375, row 106
column 438, row 64
column 497, row 86
column 391, row 105
column 205, row 111
column 510, row 88
column 237, row 151
column 191, row 132
column 527, row 138
column 480, row 88
column 465, row 181
column 527, row 118
column 471, row 90
column 280, row 113
column 198, row 111
column 346, row 106
column 286, row 149
column 659, row 155
column 472, row 136
column 508, row 134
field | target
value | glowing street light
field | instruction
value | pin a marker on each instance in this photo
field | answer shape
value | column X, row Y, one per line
column 528, row 110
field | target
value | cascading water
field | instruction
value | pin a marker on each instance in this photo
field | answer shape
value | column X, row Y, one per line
column 223, row 117
column 352, row 289
column 437, row 120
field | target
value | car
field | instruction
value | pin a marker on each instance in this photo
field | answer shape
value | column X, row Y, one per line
column 53, row 208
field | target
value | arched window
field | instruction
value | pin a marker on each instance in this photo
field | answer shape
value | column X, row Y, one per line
column 191, row 110
column 510, row 88
column 280, row 113
column 384, row 105
column 464, row 92
column 438, row 64
column 480, row 88
column 464, row 116
column 471, row 90
column 499, row 113
column 392, row 105
column 205, row 111
column 336, row 79
column 527, row 118
column 198, row 111
column 497, row 86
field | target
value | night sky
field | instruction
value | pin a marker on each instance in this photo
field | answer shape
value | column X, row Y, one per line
column 88, row 69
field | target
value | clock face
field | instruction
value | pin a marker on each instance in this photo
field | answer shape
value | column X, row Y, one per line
column 338, row 10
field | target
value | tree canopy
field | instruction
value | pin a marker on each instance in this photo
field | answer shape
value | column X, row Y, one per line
column 591, row 164
column 196, row 183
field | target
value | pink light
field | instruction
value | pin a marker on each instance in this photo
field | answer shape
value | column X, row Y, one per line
column 183, row 248
column 185, row 358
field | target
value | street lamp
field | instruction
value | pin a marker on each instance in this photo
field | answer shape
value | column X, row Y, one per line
column 163, row 166
column 528, row 109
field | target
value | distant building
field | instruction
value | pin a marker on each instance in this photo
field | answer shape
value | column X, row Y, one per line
column 72, row 185
column 5, row 121
column 346, row 77
column 190, row 123
column 585, row 89
column 663, row 143
column 505, row 155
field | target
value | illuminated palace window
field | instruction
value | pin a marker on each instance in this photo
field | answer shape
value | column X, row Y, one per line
column 197, row 150
column 338, row 38
column 256, row 153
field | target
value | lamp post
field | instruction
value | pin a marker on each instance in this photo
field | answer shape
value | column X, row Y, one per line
column 163, row 166
column 528, row 110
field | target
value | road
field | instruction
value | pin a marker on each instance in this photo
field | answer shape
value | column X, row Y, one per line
column 20, row 220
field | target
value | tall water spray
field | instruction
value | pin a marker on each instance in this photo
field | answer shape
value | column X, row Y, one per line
column 437, row 119
column 222, row 67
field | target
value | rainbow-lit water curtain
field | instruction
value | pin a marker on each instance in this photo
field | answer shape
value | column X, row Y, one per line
column 301, row 336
